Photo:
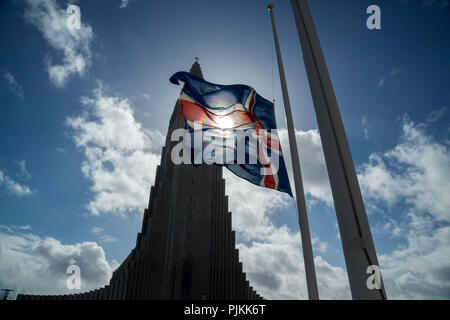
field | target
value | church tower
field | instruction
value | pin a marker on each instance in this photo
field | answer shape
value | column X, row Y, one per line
column 186, row 248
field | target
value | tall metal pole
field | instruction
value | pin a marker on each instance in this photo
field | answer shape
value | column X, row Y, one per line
column 357, row 242
column 308, row 257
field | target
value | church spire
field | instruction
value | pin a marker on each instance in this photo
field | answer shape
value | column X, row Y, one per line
column 186, row 247
column 195, row 69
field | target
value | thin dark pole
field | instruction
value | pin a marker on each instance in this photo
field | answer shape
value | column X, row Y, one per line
column 308, row 257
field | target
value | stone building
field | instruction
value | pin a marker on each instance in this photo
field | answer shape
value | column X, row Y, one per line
column 186, row 248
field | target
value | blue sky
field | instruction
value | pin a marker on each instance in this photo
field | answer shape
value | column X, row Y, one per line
column 72, row 185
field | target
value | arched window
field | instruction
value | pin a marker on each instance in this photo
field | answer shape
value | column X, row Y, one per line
column 186, row 281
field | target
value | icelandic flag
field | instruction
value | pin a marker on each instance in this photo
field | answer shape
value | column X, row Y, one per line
column 221, row 113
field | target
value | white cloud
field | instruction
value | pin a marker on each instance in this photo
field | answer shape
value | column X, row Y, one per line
column 275, row 269
column 421, row 269
column 23, row 170
column 35, row 265
column 318, row 245
column 105, row 238
column 364, row 125
column 396, row 71
column 14, row 86
column 124, row 4
column 61, row 150
column 74, row 45
column 121, row 156
column 416, row 171
column 393, row 73
column 251, row 208
column 10, row 228
column 389, row 229
column 377, row 182
column 97, row 230
column 7, row 228
column 414, row 179
column 14, row 187
column 312, row 162
column 435, row 115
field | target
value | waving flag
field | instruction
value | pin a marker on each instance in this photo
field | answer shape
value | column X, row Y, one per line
column 236, row 114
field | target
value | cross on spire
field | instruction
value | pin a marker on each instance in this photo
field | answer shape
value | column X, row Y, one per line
column 196, row 59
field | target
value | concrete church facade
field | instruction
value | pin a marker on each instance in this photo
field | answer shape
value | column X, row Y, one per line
column 186, row 248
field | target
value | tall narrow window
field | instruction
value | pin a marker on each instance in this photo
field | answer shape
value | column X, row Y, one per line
column 186, row 281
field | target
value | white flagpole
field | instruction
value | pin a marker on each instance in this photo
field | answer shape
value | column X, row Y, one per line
column 308, row 257
column 357, row 242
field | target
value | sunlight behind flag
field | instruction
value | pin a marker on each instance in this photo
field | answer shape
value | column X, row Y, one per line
column 237, row 129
